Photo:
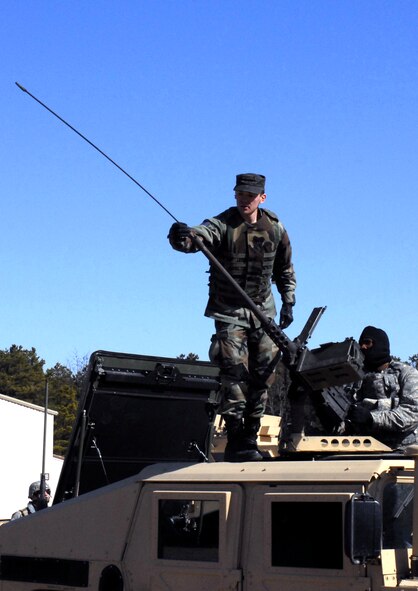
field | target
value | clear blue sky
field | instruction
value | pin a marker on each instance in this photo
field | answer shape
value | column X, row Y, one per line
column 321, row 96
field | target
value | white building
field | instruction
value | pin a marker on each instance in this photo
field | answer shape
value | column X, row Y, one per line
column 21, row 449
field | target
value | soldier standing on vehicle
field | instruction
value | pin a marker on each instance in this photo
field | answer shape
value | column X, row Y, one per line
column 386, row 405
column 254, row 247
column 35, row 503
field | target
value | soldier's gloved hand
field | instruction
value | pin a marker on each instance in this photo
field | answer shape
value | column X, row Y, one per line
column 286, row 315
column 360, row 415
column 180, row 236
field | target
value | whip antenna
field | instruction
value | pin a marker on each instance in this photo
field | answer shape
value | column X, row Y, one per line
column 98, row 149
column 270, row 327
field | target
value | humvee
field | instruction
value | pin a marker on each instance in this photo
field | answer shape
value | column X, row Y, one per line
column 145, row 502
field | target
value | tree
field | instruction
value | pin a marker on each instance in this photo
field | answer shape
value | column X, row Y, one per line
column 189, row 356
column 277, row 402
column 62, row 398
column 22, row 375
column 78, row 367
column 413, row 360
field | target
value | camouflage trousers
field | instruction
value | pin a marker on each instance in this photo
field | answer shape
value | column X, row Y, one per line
column 247, row 358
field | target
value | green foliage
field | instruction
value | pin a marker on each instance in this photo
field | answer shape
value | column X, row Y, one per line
column 62, row 398
column 22, row 375
column 413, row 360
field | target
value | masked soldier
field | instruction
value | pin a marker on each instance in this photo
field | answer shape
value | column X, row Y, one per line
column 254, row 247
column 386, row 405
column 36, row 503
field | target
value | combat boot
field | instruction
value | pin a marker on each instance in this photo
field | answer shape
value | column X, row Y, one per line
column 242, row 440
column 234, row 429
column 249, row 447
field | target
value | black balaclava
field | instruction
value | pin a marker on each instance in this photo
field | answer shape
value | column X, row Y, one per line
column 379, row 353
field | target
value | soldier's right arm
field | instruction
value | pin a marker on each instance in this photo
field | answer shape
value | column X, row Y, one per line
column 210, row 231
column 179, row 237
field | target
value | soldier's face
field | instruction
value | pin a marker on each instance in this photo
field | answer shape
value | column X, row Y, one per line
column 366, row 344
column 248, row 203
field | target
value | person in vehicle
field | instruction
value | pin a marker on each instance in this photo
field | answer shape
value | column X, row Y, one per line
column 386, row 404
column 253, row 245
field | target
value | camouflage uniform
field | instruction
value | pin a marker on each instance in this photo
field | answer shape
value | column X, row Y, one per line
column 253, row 254
column 392, row 397
column 28, row 510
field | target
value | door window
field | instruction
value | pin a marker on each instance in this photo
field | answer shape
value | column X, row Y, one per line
column 307, row 534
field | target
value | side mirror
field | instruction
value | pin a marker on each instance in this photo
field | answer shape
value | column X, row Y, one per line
column 363, row 529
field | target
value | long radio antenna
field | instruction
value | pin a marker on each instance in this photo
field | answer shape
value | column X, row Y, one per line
column 270, row 327
column 98, row 149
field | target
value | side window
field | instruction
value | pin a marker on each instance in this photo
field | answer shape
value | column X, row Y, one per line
column 307, row 534
column 188, row 529
column 397, row 515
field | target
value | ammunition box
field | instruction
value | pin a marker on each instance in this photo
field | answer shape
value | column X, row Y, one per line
column 331, row 364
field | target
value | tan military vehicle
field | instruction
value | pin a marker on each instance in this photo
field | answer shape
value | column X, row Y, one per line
column 145, row 501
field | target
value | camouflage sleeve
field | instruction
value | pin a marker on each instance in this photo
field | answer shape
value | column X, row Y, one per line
column 404, row 416
column 283, row 272
column 211, row 231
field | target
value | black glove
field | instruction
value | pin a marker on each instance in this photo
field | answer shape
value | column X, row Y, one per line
column 360, row 415
column 180, row 236
column 286, row 315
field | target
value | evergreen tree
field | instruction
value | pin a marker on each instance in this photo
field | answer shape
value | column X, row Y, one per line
column 22, row 375
column 62, row 398
column 413, row 360
column 189, row 356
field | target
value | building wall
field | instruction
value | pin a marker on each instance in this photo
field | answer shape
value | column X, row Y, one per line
column 21, row 446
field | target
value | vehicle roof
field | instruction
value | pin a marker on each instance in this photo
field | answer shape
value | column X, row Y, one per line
column 347, row 470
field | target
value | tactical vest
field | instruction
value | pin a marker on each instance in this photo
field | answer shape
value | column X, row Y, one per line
column 247, row 252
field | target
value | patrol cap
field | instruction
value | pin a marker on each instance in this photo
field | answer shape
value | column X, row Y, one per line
column 250, row 183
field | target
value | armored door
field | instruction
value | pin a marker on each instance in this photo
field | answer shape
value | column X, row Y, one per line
column 186, row 538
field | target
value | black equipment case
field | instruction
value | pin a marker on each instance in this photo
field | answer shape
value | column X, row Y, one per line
column 134, row 411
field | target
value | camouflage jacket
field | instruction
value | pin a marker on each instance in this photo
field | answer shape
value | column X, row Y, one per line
column 24, row 512
column 255, row 255
column 392, row 397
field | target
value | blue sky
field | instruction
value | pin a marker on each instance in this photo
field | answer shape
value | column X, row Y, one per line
column 320, row 96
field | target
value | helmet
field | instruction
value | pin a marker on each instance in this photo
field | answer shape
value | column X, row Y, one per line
column 36, row 487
